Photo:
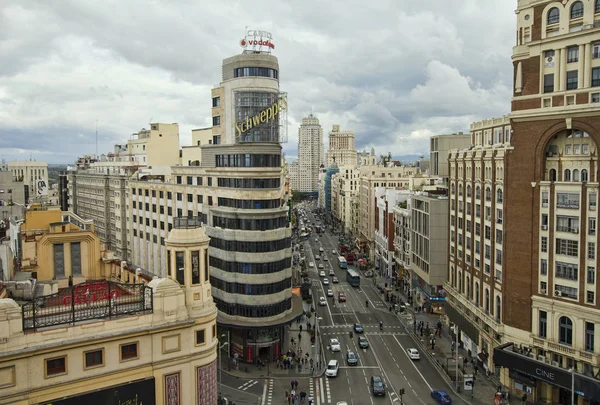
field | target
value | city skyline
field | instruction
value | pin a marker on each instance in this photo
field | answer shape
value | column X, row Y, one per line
column 74, row 69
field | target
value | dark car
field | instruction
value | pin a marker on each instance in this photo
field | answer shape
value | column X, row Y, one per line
column 358, row 328
column 341, row 297
column 363, row 343
column 377, row 386
column 441, row 397
column 351, row 359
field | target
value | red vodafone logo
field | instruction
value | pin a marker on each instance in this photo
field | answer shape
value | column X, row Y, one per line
column 257, row 43
column 243, row 43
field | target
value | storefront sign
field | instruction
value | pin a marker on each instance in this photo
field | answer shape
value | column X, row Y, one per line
column 134, row 393
column 266, row 115
column 257, row 39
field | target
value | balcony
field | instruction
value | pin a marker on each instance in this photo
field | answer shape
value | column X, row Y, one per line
column 578, row 355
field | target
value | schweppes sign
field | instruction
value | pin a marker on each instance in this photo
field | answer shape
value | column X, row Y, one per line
column 266, row 115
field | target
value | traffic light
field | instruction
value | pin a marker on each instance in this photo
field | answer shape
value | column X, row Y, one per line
column 402, row 391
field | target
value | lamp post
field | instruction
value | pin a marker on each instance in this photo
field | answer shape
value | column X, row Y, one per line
column 456, row 355
column 572, row 370
column 220, row 364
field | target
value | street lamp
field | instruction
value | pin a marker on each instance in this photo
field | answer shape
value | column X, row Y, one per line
column 317, row 356
column 456, row 355
column 220, row 364
column 572, row 370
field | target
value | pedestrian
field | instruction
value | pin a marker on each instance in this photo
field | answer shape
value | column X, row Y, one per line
column 299, row 336
column 310, row 400
column 292, row 385
column 296, row 384
column 287, row 394
column 300, row 328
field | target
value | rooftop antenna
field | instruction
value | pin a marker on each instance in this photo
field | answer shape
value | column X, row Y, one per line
column 96, row 139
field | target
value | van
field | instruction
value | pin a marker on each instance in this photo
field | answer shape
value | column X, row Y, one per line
column 332, row 368
column 377, row 386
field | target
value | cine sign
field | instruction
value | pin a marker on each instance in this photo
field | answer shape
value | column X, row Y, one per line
column 266, row 115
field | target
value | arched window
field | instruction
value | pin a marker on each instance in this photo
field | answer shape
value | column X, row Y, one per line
column 499, row 196
column 468, row 190
column 553, row 15
column 488, row 194
column 565, row 331
column 468, row 287
column 567, row 175
column 487, row 300
column 577, row 10
column 597, row 7
column 478, row 193
column 575, row 175
column 584, row 175
column 498, row 309
column 477, row 293
column 552, row 175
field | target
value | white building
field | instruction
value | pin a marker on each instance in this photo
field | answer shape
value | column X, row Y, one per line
column 34, row 176
column 341, row 148
column 310, row 155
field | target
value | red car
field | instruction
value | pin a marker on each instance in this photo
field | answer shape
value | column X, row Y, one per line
column 341, row 297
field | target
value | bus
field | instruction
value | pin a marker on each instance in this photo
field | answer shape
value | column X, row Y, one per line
column 352, row 278
column 342, row 262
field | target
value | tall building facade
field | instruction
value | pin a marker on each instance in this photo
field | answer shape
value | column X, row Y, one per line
column 551, row 307
column 438, row 152
column 310, row 155
column 34, row 176
column 238, row 192
column 341, row 148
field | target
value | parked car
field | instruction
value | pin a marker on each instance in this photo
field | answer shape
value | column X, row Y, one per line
column 363, row 343
column 332, row 368
column 413, row 354
column 377, row 386
column 330, row 293
column 441, row 397
column 351, row 358
column 358, row 328
column 322, row 301
column 335, row 280
column 334, row 345
column 341, row 297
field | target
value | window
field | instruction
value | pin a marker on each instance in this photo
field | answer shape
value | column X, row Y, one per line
column 200, row 337
column 572, row 54
column 94, row 358
column 129, row 351
column 567, row 176
column 544, row 244
column 178, row 179
column 499, row 197
column 216, row 101
column 544, row 267
column 591, row 275
column 553, row 16
column 549, row 83
column 597, row 7
column 591, row 251
column 565, row 331
column 567, row 200
column 56, row 366
column 592, row 226
column 595, row 98
column 544, row 199
column 592, row 198
column 572, row 80
column 589, row 297
column 543, row 326
column 577, row 10
column 584, row 174
column 596, row 77
column 568, row 271
column 589, row 336
column 216, row 121
column 576, row 173
column 567, row 224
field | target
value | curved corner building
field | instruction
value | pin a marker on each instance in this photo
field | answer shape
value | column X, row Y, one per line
column 250, row 254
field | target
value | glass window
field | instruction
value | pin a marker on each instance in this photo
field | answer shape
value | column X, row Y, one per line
column 195, row 267
column 544, row 267
column 216, row 121
column 56, row 366
column 543, row 327
column 591, row 275
column 596, row 77
column 577, row 10
column 94, row 358
column 216, row 101
column 180, row 267
column 553, row 15
column 591, row 253
column 565, row 335
column 589, row 336
column 572, row 79
column 549, row 83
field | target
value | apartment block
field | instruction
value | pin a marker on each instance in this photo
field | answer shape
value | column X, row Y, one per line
column 341, row 148
column 439, row 146
column 34, row 176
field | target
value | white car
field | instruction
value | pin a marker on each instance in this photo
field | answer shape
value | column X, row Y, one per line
column 332, row 368
column 325, row 281
column 325, row 258
column 317, row 257
column 334, row 345
column 413, row 354
column 322, row 273
column 311, row 265
column 333, row 252
column 331, row 273
column 321, row 266
column 322, row 301
column 330, row 293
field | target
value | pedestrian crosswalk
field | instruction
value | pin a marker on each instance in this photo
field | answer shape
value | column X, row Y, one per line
column 247, row 385
column 269, row 392
column 374, row 333
column 364, row 327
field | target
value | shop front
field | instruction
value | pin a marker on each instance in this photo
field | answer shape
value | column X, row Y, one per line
column 255, row 345
column 542, row 382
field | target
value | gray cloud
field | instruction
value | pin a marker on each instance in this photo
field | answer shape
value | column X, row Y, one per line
column 393, row 72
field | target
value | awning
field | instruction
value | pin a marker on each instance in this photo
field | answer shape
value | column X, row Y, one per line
column 426, row 294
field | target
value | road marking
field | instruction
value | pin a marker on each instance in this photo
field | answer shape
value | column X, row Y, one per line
column 264, row 396
column 247, row 385
column 359, row 367
column 328, row 390
column 321, row 391
column 413, row 364
column 270, row 394
column 311, row 387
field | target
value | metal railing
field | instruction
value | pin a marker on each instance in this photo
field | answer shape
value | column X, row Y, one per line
column 86, row 301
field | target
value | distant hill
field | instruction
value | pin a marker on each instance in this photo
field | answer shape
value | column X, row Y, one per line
column 409, row 158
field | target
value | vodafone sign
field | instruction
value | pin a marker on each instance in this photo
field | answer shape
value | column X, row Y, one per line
column 256, row 40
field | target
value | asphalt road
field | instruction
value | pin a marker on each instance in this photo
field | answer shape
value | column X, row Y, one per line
column 386, row 355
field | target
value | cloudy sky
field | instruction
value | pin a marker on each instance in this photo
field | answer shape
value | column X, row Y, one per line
column 395, row 72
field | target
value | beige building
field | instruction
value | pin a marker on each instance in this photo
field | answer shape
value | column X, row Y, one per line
column 341, row 148
column 111, row 332
column 345, row 191
column 34, row 176
column 439, row 146
column 310, row 155
column 402, row 234
column 157, row 146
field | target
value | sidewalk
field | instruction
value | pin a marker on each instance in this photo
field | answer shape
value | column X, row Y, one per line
column 270, row 370
column 485, row 386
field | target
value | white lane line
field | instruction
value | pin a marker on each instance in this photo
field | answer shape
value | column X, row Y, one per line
column 328, row 391
column 413, row 364
column 270, row 393
column 264, row 396
column 322, row 392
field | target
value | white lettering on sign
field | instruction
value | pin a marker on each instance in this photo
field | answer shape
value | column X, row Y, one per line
column 257, row 33
column 546, row 374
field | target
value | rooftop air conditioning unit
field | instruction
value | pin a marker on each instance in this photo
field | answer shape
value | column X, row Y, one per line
column 544, row 227
column 542, row 358
column 557, row 293
column 555, row 363
column 543, row 291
